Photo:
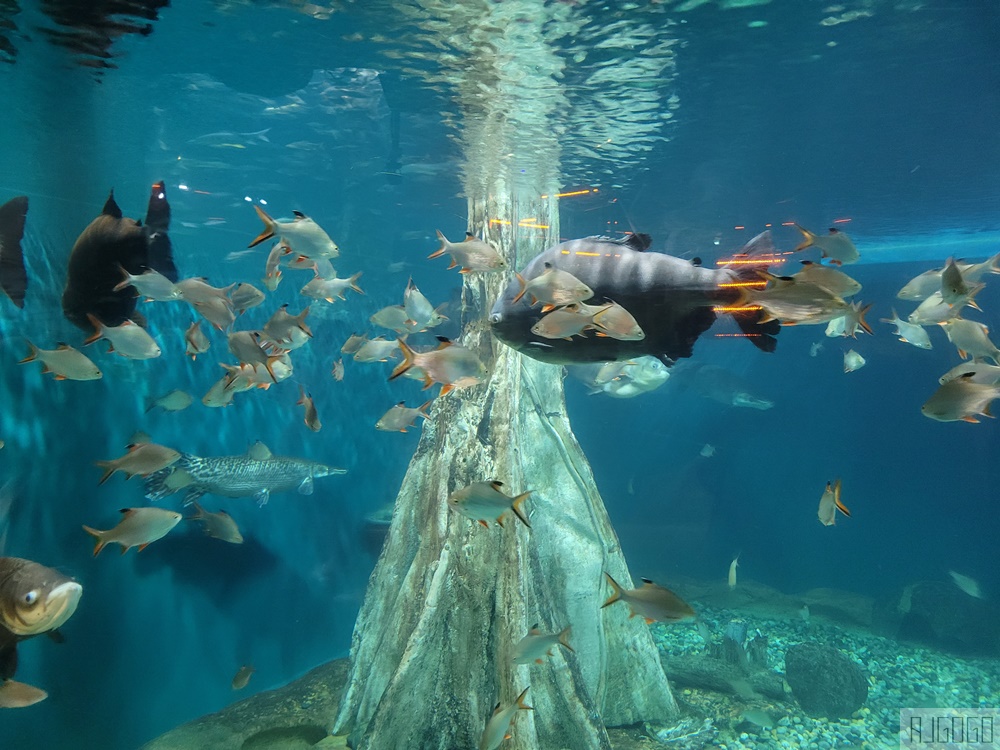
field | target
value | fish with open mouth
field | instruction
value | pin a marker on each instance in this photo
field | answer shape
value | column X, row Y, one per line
column 255, row 474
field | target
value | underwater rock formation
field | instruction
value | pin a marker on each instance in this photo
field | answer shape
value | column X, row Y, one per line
column 825, row 681
column 449, row 599
column 940, row 615
column 295, row 715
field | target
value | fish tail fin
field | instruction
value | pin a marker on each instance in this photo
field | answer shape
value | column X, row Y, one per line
column 993, row 264
column 520, row 701
column 861, row 319
column 893, row 319
column 516, row 507
column 564, row 636
column 199, row 512
column 409, row 357
column 971, row 301
column 126, row 279
column 524, row 288
column 13, row 277
column 422, row 411
column 836, row 499
column 109, row 469
column 269, row 226
column 353, row 281
column 300, row 322
column 808, row 238
column 33, row 352
column 96, row 335
column 756, row 325
column 99, row 536
column 616, row 591
column 444, row 245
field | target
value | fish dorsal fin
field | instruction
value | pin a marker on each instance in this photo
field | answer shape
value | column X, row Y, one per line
column 110, row 207
column 496, row 708
column 647, row 582
column 834, row 231
column 299, row 216
column 496, row 484
column 534, row 630
column 258, row 451
column 124, row 510
column 63, row 346
column 469, row 237
column 696, row 261
column 807, row 263
column 547, row 266
column 401, row 403
column 638, row 241
column 444, row 343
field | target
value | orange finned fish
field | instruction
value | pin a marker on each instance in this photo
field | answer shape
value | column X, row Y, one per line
column 830, row 503
column 650, row 601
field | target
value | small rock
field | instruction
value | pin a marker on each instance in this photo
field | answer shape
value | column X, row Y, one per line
column 825, row 681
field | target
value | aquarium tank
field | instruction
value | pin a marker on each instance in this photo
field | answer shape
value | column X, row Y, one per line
column 521, row 374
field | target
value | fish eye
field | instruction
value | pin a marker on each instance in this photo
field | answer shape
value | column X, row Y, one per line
column 495, row 318
column 31, row 597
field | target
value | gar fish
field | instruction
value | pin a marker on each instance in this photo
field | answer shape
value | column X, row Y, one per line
column 112, row 242
column 472, row 255
column 256, row 474
column 836, row 245
column 650, row 601
column 499, row 723
column 13, row 277
column 34, row 599
column 961, row 399
column 303, row 235
column 486, row 501
column 671, row 300
column 217, row 525
column 536, row 645
column 830, row 503
column 65, row 363
column 139, row 527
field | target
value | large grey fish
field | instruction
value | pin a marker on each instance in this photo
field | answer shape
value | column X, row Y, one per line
column 255, row 474
column 670, row 298
column 34, row 599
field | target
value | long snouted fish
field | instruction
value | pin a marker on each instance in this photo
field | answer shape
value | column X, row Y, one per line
column 255, row 474
column 34, row 599
column 670, row 299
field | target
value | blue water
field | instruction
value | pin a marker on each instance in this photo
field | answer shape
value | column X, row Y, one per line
column 757, row 116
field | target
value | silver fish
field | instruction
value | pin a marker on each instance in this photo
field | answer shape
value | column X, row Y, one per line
column 256, row 475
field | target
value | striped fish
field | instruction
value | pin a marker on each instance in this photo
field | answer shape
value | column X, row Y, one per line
column 671, row 299
column 256, row 474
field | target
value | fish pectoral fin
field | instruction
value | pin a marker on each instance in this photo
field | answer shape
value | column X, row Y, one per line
column 970, row 419
column 306, row 488
column 140, row 548
column 262, row 496
column 483, row 524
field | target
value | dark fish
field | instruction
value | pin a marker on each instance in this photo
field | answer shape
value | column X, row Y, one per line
column 109, row 243
column 33, row 600
column 671, row 299
column 256, row 474
column 13, row 278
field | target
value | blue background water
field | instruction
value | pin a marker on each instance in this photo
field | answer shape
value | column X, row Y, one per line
column 894, row 127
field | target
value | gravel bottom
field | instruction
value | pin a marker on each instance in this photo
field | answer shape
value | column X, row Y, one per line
column 900, row 676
